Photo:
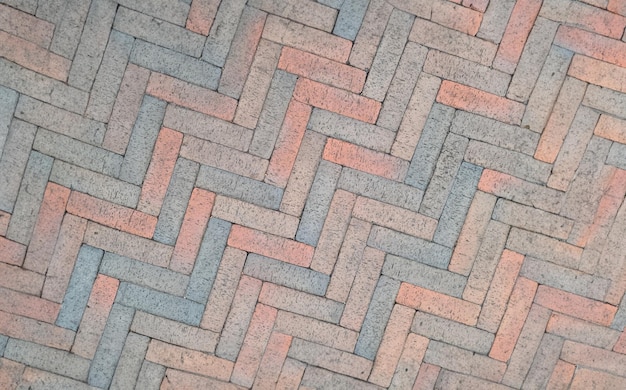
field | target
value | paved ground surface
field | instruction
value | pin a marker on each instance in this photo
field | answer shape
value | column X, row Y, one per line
column 342, row 194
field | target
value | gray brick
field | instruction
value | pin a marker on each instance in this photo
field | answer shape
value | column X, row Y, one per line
column 544, row 361
column 51, row 11
column 495, row 20
column 60, row 121
column 29, row 6
column 351, row 14
column 286, row 274
column 77, row 294
column 402, row 86
column 160, row 304
column 93, row 41
column 273, row 114
column 376, row 318
column 78, row 153
column 507, row 161
column 222, row 32
column 603, row 99
column 448, row 164
column 466, row 72
column 457, row 205
column 494, row 132
column 617, row 155
column 463, row 361
column 3, row 343
column 424, row 276
column 619, row 321
column 150, row 376
column 143, row 274
column 13, row 162
column 67, row 32
column 176, row 200
column 369, row 35
column 532, row 219
column 95, row 184
column 29, row 198
column 158, row 32
column 111, row 344
column 388, row 55
column 47, row 359
column 544, row 248
column 175, row 64
column 8, row 101
column 41, row 87
column 142, row 140
column 243, row 188
column 172, row 11
column 564, row 278
column 208, row 260
column 410, row 247
column 298, row 302
column 351, row 130
column 308, row 13
column 381, row 189
column 429, row 146
column 109, row 77
column 130, row 362
column 318, row 203
column 452, row 332
column 318, row 378
column 332, row 3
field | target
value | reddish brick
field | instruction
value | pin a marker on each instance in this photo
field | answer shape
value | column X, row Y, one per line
column 160, row 171
column 520, row 23
column 26, row 26
column 427, row 377
column 480, row 102
column 201, row 15
column 288, row 144
column 513, row 320
column 617, row 6
column 337, row 100
column 36, row 331
column 20, row 279
column 175, row 379
column 321, row 69
column 463, row 19
column 612, row 128
column 272, row 361
column 279, row 248
column 191, row 96
column 111, row 214
column 561, row 376
column 366, row 160
column 10, row 373
column 192, row 231
column 598, row 72
column 33, row 57
column 47, row 228
column 620, row 345
column 28, row 306
column 575, row 305
column 438, row 304
column 11, row 252
column 592, row 45
column 575, row 13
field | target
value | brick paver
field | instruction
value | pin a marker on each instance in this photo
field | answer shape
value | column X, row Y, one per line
column 300, row 194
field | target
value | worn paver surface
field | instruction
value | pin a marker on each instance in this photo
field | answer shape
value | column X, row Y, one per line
column 295, row 194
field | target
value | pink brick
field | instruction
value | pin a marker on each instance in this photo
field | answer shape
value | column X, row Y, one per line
column 111, row 214
column 28, row 306
column 321, row 69
column 201, row 15
column 47, row 228
column 366, row 160
column 20, row 279
column 612, row 128
column 336, row 100
column 10, row 373
column 26, row 26
column 4, row 222
column 427, row 377
column 575, row 305
column 279, row 248
column 561, row 376
column 33, row 57
column 160, row 171
column 590, row 18
column 192, row 231
column 478, row 5
column 592, row 45
column 620, row 345
column 591, row 379
column 11, row 252
column 410, row 361
column 191, row 96
column 35, row 331
column 459, row 18
column 480, row 102
column 520, row 23
column 598, row 72
column 288, row 144
column 617, row 6
column 272, row 361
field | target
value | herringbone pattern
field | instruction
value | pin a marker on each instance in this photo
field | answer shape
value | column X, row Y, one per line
column 290, row 194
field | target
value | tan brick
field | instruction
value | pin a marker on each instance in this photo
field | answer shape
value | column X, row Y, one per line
column 12, row 252
column 410, row 363
column 575, row 305
column 582, row 15
column 299, row 302
column 26, row 26
column 592, row 357
column 272, row 361
column 532, row 219
column 20, row 279
column 30, row 306
column 316, row 331
column 545, row 248
column 582, row 331
column 330, row 359
column 175, row 379
column 33, row 57
column 598, row 73
column 561, row 376
column 35, row 331
column 291, row 374
column 427, row 377
column 462, row 19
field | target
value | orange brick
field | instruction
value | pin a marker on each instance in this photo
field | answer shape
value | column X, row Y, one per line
column 35, row 30
column 612, row 128
column 288, row 144
column 366, row 160
column 513, row 320
column 620, row 345
column 36, row 331
column 561, row 376
column 111, row 214
column 201, row 15
column 254, row 345
column 191, row 96
column 272, row 361
column 20, row 279
column 175, row 379
column 28, row 306
column 598, row 72
column 336, row 100
column 520, row 23
column 265, row 244
column 47, row 228
column 185, row 359
column 575, row 305
column 4, row 222
column 480, row 102
column 427, row 377
column 11, row 252
column 160, row 171
column 438, row 304
column 592, row 45
column 463, row 19
column 321, row 69
column 10, row 373
column 192, row 231
column 33, row 57
column 95, row 317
